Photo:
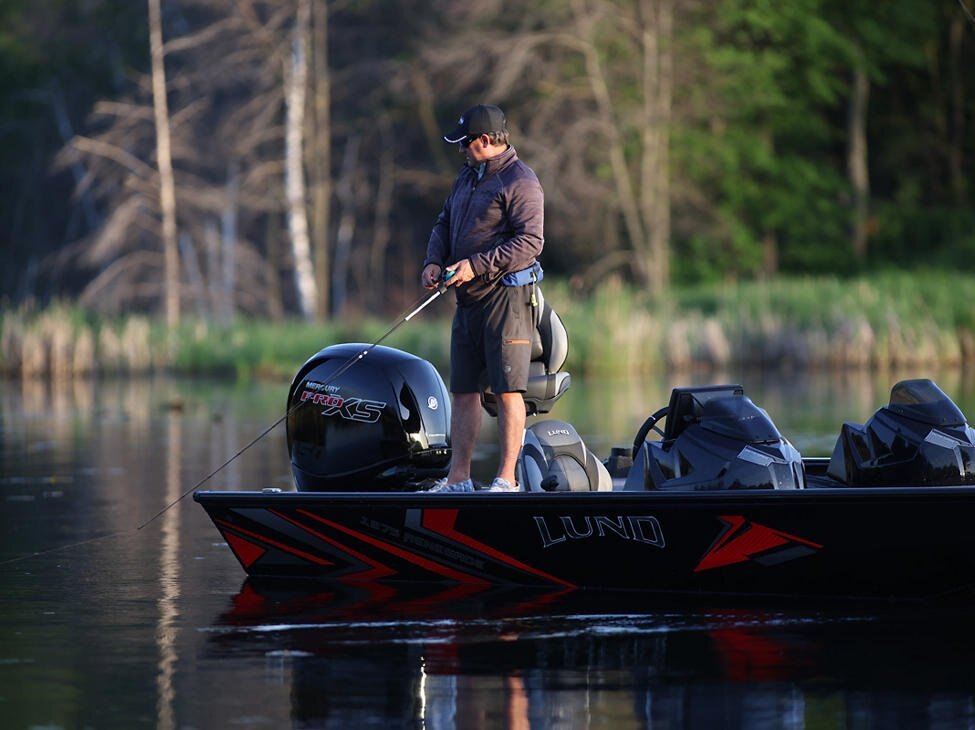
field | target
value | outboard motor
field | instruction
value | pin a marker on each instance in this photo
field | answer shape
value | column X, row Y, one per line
column 920, row 438
column 381, row 424
column 554, row 459
column 715, row 438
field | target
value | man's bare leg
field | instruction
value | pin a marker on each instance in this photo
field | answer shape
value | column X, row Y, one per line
column 465, row 425
column 511, row 432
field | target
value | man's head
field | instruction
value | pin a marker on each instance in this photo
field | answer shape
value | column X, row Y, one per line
column 481, row 132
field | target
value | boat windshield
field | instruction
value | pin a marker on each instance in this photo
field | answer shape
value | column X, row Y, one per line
column 739, row 418
column 922, row 400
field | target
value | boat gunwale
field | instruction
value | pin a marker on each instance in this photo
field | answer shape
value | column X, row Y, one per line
column 815, row 493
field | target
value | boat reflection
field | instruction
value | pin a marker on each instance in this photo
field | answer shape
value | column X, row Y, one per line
column 467, row 657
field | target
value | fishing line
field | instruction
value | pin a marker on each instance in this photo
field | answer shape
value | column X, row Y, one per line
column 966, row 10
column 65, row 547
column 414, row 310
column 417, row 307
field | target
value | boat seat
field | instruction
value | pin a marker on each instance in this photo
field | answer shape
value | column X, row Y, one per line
column 554, row 458
column 546, row 382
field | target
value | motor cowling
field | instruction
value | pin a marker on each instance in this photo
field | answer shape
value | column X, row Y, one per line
column 920, row 438
column 364, row 417
column 714, row 441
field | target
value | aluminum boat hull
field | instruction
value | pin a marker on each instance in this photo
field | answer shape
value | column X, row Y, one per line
column 878, row 542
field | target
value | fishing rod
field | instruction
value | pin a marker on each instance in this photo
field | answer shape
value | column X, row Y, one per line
column 968, row 12
column 418, row 307
column 414, row 310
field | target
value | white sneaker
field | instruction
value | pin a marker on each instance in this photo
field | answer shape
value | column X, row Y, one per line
column 503, row 485
column 441, row 485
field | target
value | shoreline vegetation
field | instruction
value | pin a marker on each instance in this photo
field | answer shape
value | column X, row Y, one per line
column 880, row 322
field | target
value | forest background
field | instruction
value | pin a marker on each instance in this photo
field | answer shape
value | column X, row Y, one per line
column 230, row 183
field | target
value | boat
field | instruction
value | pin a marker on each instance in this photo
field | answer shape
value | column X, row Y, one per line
column 710, row 499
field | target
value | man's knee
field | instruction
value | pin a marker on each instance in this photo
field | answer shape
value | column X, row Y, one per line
column 466, row 401
column 511, row 403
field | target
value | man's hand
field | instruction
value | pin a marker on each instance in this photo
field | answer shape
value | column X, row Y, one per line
column 462, row 272
column 430, row 278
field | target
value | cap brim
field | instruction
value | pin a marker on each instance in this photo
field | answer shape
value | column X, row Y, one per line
column 455, row 135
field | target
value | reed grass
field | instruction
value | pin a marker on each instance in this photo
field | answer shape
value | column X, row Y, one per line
column 884, row 321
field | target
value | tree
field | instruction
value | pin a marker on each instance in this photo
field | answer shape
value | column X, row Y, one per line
column 296, row 82
column 227, row 99
column 761, row 152
column 675, row 139
column 598, row 74
column 164, row 163
column 871, row 43
column 320, row 155
column 57, row 56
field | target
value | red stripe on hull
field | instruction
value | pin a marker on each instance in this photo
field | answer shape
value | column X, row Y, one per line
column 263, row 538
column 419, row 561
column 740, row 541
column 442, row 522
column 378, row 569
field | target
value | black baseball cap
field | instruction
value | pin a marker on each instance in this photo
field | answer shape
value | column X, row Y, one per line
column 478, row 120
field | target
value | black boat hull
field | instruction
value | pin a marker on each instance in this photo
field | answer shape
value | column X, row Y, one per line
column 898, row 542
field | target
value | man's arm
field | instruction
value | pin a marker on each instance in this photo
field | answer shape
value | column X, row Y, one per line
column 525, row 207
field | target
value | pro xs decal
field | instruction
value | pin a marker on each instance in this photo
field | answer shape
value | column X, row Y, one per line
column 741, row 540
column 351, row 409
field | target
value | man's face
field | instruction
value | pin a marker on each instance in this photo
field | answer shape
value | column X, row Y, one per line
column 477, row 150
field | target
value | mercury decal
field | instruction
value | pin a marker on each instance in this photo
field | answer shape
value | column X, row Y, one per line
column 638, row 528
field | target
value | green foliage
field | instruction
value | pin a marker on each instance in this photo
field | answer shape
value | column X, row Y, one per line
column 254, row 348
column 758, row 129
column 769, row 163
column 887, row 319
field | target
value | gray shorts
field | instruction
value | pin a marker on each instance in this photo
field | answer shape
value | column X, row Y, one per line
column 493, row 336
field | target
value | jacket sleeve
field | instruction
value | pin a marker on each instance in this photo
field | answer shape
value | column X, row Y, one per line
column 438, row 247
column 525, row 211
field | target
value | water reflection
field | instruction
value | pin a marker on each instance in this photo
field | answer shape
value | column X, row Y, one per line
column 61, row 440
column 463, row 658
column 169, row 578
column 154, row 628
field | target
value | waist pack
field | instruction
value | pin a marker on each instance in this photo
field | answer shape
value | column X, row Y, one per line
column 532, row 275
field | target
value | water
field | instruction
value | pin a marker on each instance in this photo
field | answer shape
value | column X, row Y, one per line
column 106, row 625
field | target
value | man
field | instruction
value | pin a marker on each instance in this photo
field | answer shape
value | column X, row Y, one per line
column 484, row 244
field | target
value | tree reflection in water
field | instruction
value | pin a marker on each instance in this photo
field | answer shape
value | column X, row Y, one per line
column 462, row 658
column 153, row 626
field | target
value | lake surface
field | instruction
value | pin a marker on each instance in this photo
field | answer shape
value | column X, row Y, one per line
column 113, row 615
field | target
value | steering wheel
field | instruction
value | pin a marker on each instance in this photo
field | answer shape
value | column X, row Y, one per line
column 650, row 423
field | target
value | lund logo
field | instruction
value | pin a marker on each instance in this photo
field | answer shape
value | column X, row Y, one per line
column 741, row 540
column 643, row 528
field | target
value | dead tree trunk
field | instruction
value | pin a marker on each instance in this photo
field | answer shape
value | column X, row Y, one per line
column 296, row 79
column 321, row 157
column 164, row 161
column 656, row 48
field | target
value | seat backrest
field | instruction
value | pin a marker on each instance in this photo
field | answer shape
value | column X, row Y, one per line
column 554, row 458
column 550, row 341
